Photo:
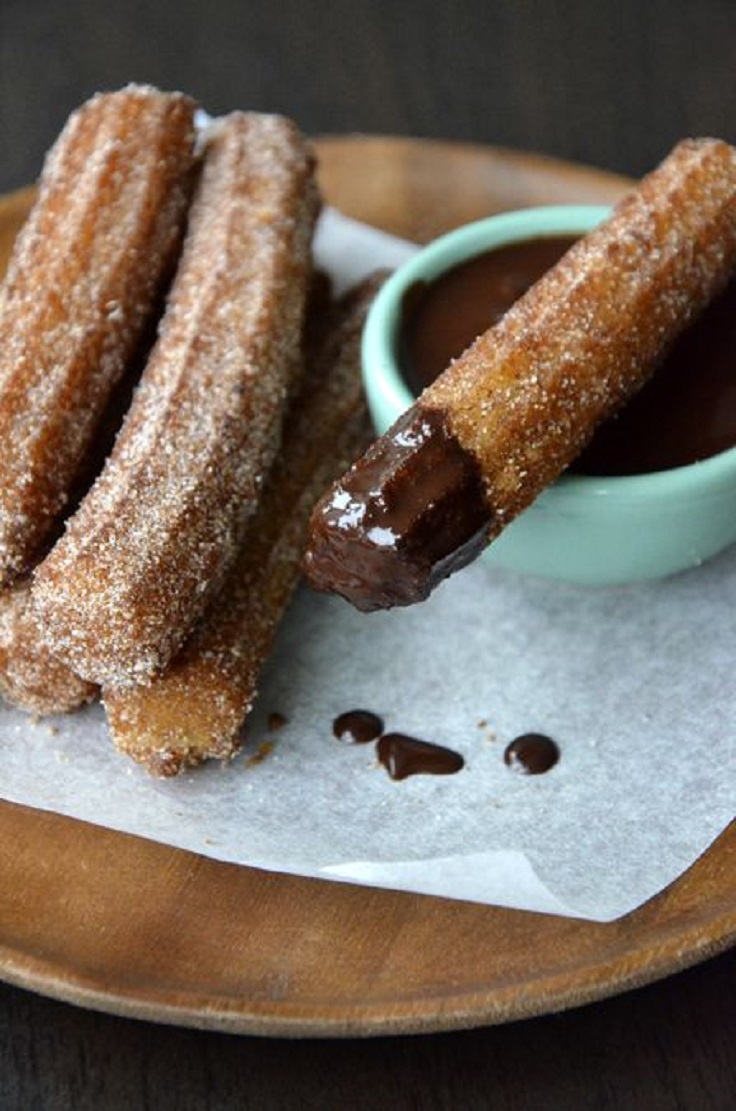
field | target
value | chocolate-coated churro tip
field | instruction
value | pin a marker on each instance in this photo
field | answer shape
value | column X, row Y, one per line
column 406, row 515
column 506, row 418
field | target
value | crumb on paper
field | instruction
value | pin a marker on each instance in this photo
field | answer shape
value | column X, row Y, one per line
column 490, row 734
column 264, row 749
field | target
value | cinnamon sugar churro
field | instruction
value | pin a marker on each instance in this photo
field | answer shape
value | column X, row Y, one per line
column 152, row 540
column 194, row 710
column 512, row 412
column 85, row 276
column 30, row 677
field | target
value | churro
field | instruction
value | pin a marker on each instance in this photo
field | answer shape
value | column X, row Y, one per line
column 30, row 677
column 153, row 538
column 85, row 276
column 194, row 710
column 514, row 410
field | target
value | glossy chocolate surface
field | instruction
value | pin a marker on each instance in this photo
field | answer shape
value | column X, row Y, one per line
column 404, row 756
column 404, row 517
column 532, row 753
column 357, row 727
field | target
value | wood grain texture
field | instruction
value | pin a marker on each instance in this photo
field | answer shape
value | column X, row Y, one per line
column 404, row 185
column 131, row 927
column 666, row 1047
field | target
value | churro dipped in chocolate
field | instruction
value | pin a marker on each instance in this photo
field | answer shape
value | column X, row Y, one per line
column 194, row 709
column 515, row 409
column 31, row 678
column 87, row 272
column 155, row 535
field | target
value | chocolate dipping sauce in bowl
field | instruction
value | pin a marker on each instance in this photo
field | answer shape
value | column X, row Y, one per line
column 654, row 492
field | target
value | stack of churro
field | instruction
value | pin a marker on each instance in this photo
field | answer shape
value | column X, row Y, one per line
column 174, row 566
column 162, row 580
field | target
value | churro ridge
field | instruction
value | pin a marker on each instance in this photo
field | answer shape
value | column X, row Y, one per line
column 85, row 277
column 154, row 537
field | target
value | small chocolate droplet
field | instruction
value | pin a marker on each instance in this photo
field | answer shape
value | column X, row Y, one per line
column 276, row 721
column 532, row 753
column 403, row 756
column 357, row 727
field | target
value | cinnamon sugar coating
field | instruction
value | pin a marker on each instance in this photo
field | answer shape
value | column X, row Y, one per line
column 194, row 709
column 85, row 277
column 505, row 419
column 30, row 677
column 155, row 535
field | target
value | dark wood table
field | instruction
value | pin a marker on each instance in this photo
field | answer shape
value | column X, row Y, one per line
column 667, row 1047
column 610, row 83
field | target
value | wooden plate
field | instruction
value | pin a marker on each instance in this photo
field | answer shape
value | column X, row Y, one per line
column 124, row 925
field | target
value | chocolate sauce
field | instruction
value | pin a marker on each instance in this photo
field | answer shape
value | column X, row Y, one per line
column 685, row 412
column 357, row 727
column 404, row 517
column 276, row 721
column 532, row 753
column 441, row 319
column 403, row 756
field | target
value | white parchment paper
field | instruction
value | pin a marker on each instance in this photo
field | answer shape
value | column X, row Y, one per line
column 635, row 683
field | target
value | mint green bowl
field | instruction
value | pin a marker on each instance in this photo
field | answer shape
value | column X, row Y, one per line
column 582, row 529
